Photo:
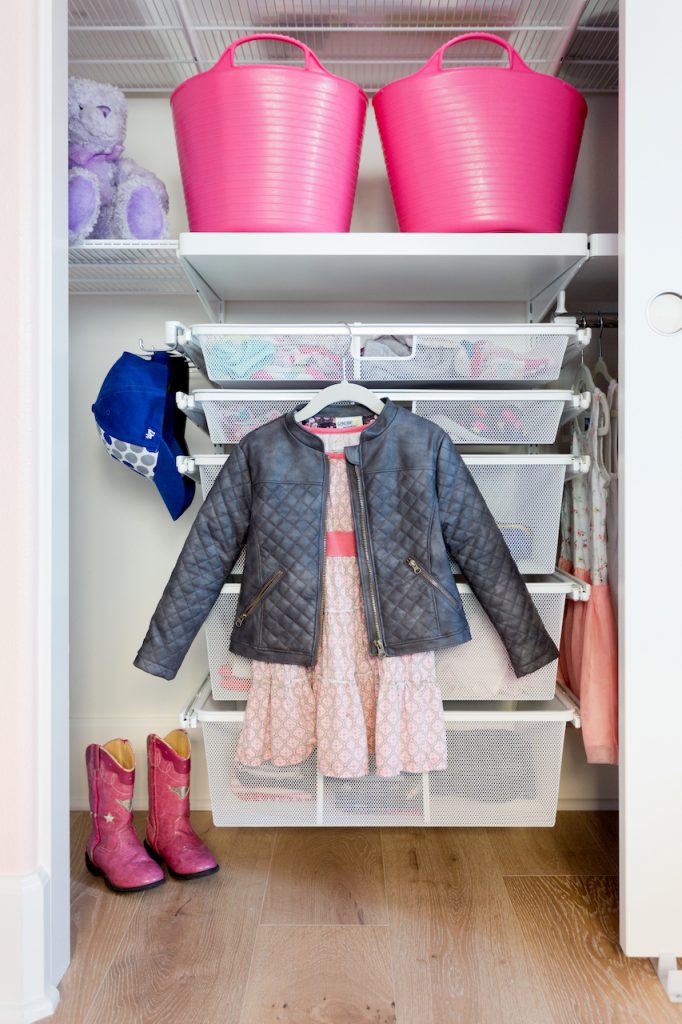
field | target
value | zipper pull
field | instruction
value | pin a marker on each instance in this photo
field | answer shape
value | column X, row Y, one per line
column 414, row 566
column 240, row 620
column 381, row 650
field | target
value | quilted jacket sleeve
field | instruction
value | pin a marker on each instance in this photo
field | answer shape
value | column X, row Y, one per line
column 475, row 542
column 208, row 555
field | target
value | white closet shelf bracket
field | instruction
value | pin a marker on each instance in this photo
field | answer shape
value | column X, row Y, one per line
column 541, row 303
column 188, row 715
column 207, row 297
column 570, row 702
column 187, row 466
column 579, row 464
column 580, row 591
column 669, row 975
column 193, row 411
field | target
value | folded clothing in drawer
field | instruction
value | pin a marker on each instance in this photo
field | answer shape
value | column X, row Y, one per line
column 269, row 355
column 489, row 765
column 489, row 355
column 269, row 783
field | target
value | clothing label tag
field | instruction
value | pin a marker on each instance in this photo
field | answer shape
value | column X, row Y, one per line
column 348, row 421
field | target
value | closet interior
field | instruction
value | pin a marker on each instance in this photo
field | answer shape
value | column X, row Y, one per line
column 484, row 334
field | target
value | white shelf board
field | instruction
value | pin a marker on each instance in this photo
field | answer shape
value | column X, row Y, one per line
column 380, row 267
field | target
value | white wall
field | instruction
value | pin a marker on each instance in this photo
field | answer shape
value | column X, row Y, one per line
column 123, row 542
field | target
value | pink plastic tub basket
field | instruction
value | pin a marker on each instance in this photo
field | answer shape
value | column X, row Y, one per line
column 480, row 148
column 268, row 148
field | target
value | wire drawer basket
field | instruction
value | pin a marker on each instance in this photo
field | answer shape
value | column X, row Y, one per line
column 469, row 417
column 479, row 670
column 503, row 770
column 523, row 493
column 291, row 353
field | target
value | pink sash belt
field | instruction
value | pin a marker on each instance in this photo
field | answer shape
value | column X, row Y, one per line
column 341, row 543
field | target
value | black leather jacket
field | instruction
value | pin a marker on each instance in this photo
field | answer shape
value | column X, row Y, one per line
column 414, row 505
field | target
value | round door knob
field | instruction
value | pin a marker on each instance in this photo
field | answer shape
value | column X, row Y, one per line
column 665, row 313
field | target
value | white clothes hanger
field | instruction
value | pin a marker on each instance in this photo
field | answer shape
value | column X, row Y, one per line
column 584, row 380
column 344, row 391
column 600, row 367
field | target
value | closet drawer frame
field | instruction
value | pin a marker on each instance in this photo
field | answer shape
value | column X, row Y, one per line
column 477, row 671
column 523, row 492
column 504, row 770
column 470, row 417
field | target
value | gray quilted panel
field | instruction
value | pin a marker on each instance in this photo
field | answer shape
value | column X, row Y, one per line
column 408, row 604
column 287, row 613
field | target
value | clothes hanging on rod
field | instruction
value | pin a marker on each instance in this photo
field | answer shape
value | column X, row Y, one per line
column 588, row 661
column 611, row 464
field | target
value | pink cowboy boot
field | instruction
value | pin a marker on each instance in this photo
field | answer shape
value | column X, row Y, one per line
column 113, row 848
column 170, row 838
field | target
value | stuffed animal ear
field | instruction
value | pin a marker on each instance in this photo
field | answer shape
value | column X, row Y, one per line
column 97, row 115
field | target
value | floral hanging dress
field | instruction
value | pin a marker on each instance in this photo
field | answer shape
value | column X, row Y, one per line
column 588, row 660
column 349, row 705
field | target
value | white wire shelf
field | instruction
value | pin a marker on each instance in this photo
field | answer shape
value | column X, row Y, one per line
column 111, row 267
column 153, row 45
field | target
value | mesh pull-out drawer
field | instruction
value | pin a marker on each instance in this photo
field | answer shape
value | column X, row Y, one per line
column 499, row 773
column 478, row 670
column 503, row 769
column 523, row 492
column 521, row 352
column 272, row 353
column 469, row 417
column 263, row 795
column 524, row 495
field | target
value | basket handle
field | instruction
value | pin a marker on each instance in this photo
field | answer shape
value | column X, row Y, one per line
column 435, row 63
column 311, row 61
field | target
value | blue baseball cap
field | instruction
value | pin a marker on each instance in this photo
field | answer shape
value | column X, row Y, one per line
column 140, row 425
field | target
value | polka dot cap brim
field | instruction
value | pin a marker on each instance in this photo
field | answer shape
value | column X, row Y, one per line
column 134, row 456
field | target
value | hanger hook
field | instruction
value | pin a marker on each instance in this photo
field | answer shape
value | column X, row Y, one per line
column 344, row 323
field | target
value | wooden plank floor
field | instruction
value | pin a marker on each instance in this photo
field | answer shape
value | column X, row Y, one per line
column 366, row 926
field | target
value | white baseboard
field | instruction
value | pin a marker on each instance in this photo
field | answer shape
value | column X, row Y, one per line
column 26, row 995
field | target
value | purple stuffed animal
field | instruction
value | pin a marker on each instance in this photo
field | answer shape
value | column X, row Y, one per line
column 109, row 196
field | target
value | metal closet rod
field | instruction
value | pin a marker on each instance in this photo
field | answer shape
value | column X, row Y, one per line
column 597, row 320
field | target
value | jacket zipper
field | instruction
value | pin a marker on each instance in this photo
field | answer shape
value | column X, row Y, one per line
column 275, row 578
column 323, row 574
column 378, row 642
column 419, row 570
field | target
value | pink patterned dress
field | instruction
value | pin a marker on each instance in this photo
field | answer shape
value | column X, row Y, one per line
column 349, row 705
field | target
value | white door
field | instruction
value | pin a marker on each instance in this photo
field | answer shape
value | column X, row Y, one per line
column 651, row 488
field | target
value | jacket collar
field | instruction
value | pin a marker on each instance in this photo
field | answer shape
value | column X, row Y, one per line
column 381, row 423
